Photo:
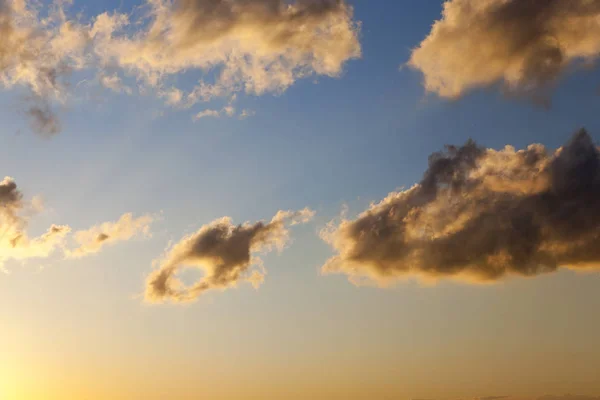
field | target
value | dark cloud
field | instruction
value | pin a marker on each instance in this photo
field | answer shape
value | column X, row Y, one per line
column 526, row 44
column 224, row 252
column 10, row 200
column 102, row 237
column 9, row 194
column 480, row 214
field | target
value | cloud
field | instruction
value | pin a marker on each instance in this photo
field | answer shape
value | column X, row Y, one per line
column 226, row 253
column 526, row 45
column 92, row 240
column 247, row 113
column 114, row 83
column 228, row 111
column 43, row 120
column 206, row 114
column 254, row 46
column 16, row 244
column 10, row 200
column 37, row 53
column 480, row 215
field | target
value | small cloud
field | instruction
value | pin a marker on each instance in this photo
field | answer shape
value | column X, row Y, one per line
column 114, row 83
column 172, row 96
column 226, row 253
column 92, row 240
column 207, row 114
column 43, row 120
column 247, row 113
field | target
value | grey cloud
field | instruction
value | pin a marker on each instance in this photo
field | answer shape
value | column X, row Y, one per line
column 102, row 237
column 527, row 45
column 224, row 252
column 10, row 196
column 11, row 202
column 481, row 215
column 43, row 120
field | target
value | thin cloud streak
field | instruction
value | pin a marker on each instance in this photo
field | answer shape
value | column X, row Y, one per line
column 94, row 239
column 17, row 245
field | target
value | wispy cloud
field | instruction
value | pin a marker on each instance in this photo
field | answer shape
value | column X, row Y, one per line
column 92, row 240
column 16, row 244
column 254, row 47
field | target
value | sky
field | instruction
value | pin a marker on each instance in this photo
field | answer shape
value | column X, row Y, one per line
column 253, row 199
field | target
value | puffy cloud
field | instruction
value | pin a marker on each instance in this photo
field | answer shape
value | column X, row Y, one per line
column 524, row 44
column 224, row 252
column 92, row 240
column 480, row 215
column 256, row 46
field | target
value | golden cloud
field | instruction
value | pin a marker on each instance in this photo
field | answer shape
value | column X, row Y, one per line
column 480, row 215
column 224, row 252
column 526, row 45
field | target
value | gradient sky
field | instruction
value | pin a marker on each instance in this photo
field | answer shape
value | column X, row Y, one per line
column 79, row 328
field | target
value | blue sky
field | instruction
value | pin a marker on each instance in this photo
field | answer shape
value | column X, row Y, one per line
column 323, row 143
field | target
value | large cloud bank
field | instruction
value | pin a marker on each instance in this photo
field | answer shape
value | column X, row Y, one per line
column 481, row 215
